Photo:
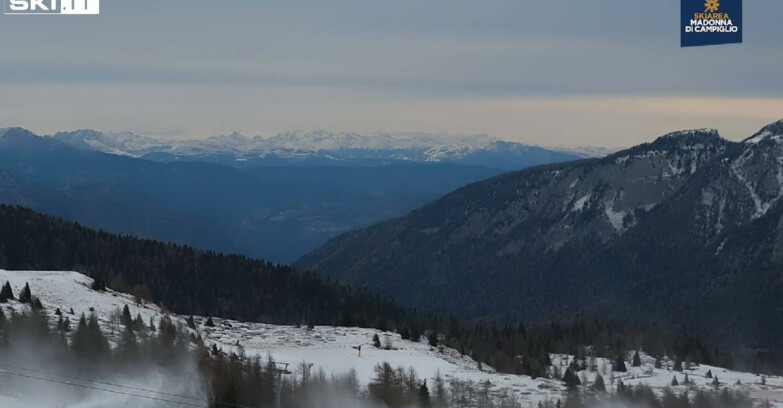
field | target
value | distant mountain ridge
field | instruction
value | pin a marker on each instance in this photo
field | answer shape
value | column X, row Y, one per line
column 320, row 147
column 686, row 230
column 275, row 213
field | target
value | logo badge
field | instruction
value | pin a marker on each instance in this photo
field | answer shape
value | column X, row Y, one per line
column 66, row 7
column 710, row 22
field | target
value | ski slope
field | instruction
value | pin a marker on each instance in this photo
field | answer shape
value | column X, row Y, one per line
column 333, row 349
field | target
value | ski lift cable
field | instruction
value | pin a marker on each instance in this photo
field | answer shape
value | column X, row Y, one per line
column 127, row 387
column 182, row 403
column 32, row 377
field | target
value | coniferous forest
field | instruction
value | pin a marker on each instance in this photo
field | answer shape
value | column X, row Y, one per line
column 189, row 281
column 79, row 357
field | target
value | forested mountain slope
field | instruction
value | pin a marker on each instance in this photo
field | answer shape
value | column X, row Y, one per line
column 685, row 230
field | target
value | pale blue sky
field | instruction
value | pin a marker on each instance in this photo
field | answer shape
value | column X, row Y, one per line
column 564, row 72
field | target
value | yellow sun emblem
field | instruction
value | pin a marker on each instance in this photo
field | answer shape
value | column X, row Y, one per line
column 711, row 6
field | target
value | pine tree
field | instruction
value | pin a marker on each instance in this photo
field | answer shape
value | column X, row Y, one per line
column 637, row 360
column 686, row 380
column 424, row 395
column 433, row 339
column 709, row 374
column 674, row 381
column 658, row 363
column 126, row 318
column 571, row 379
column 209, row 322
column 619, row 364
column 25, row 296
column 191, row 323
column 138, row 323
column 677, row 364
column 599, row 385
column 37, row 305
column 376, row 341
column 6, row 293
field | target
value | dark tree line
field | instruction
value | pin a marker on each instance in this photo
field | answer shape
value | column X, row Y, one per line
column 195, row 282
column 183, row 279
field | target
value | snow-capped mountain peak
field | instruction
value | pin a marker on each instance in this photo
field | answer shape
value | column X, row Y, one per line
column 323, row 147
column 120, row 143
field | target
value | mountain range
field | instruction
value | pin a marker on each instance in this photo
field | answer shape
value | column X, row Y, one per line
column 323, row 148
column 276, row 213
column 686, row 231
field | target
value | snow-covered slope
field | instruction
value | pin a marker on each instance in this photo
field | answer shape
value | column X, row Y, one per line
column 331, row 349
column 328, row 348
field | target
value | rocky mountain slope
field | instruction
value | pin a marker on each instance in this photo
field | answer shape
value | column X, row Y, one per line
column 685, row 230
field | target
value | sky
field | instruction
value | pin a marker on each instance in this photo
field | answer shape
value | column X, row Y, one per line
column 558, row 73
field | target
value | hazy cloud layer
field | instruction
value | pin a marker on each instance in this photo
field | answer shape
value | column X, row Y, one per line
column 509, row 68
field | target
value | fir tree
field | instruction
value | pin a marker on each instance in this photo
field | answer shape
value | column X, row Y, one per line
column 709, row 374
column 126, row 318
column 424, row 395
column 599, row 385
column 433, row 339
column 570, row 379
column 619, row 364
column 637, row 360
column 138, row 323
column 674, row 381
column 376, row 341
column 7, row 293
column 209, row 322
column 37, row 305
column 25, row 296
